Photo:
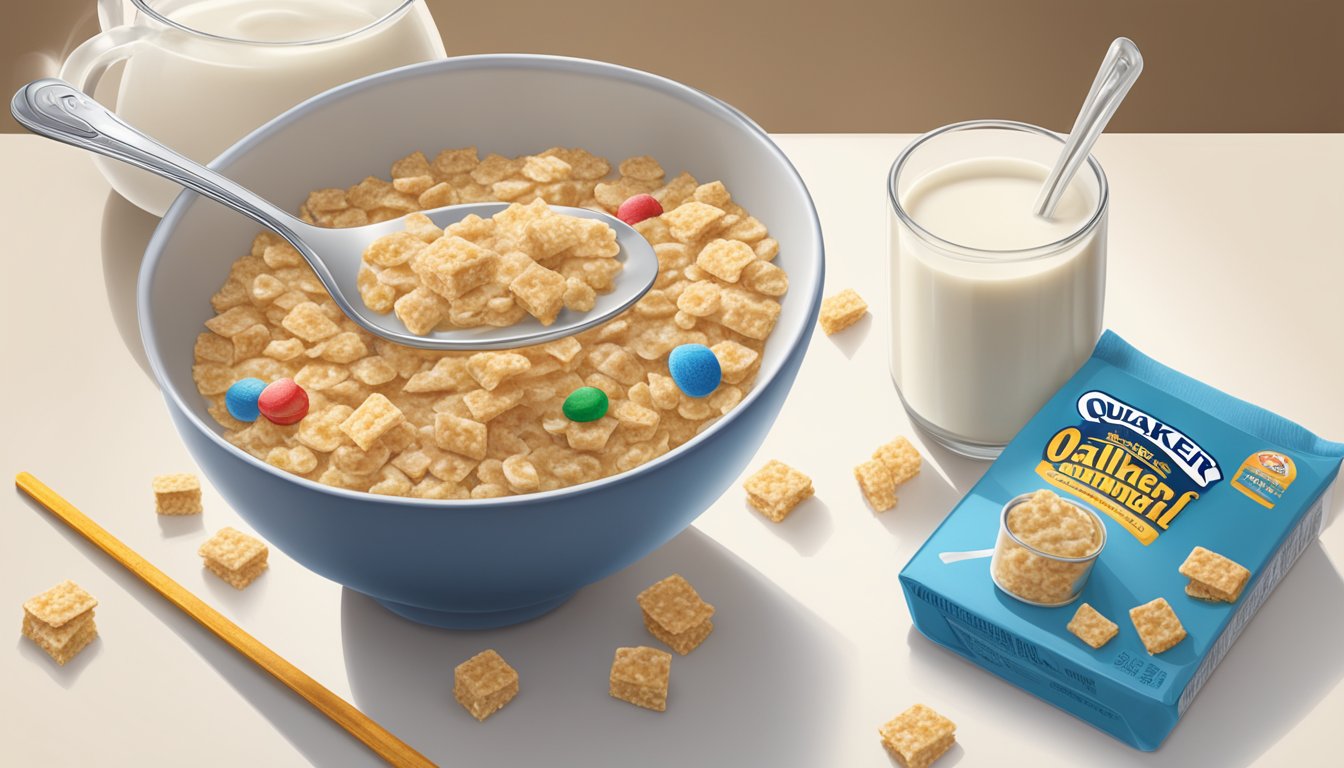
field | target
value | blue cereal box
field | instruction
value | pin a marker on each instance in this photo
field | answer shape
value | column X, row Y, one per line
column 1101, row 500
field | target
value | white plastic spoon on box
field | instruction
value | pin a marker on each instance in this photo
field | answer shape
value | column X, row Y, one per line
column 1117, row 74
column 55, row 109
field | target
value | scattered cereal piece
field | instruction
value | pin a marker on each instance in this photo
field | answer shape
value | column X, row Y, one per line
column 283, row 402
column 60, row 621
column 1157, row 624
column 900, row 458
column 640, row 676
column 695, row 369
column 776, row 489
column 639, row 208
column 877, row 485
column 918, row 736
column 842, row 310
column 585, row 404
column 234, row 557
column 1091, row 627
column 241, row 397
column 484, row 683
column 675, row 614
column 177, row 494
column 1212, row 574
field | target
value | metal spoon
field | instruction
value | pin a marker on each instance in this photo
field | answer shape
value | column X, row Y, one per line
column 1117, row 73
column 57, row 110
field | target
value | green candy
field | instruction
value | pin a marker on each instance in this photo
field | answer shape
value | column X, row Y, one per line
column 585, row 404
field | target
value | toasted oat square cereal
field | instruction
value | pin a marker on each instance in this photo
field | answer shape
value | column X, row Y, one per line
column 675, row 614
column 878, row 487
column 725, row 259
column 494, row 271
column 308, row 322
column 371, row 420
column 59, row 605
column 511, row 412
column 1050, row 524
column 1157, row 624
column 775, row 489
column 234, row 556
column 640, row 676
column 1091, row 627
column 539, row 291
column 1212, row 574
column 900, row 458
column 841, row 310
column 460, row 435
column 60, row 621
column 918, row 736
column 484, row 683
column 689, row 222
column 178, row 494
column 684, row 642
column 61, row 644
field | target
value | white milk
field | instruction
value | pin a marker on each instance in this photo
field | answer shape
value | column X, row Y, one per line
column 978, row 346
column 199, row 95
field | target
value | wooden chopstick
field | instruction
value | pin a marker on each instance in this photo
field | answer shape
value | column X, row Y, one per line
column 387, row 746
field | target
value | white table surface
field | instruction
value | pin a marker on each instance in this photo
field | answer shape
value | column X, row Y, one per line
column 812, row 648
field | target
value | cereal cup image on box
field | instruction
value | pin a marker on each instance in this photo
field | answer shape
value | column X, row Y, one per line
column 1046, row 548
column 461, row 561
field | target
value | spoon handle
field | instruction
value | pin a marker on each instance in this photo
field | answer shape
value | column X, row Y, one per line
column 1117, row 74
column 57, row 110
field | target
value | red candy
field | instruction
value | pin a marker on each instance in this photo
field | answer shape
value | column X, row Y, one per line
column 639, row 208
column 283, row 402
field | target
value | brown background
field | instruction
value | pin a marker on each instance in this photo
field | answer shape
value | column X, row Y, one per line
column 894, row 65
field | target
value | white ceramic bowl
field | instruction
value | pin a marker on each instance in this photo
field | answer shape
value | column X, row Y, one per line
column 479, row 563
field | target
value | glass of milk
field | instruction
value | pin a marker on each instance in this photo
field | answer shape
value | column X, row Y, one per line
column 201, row 74
column 992, row 308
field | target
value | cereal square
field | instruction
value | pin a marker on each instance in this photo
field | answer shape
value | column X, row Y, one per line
column 690, row 221
column 1091, row 627
column 1157, row 624
column 240, row 578
column 60, row 604
column 420, row 310
column 178, row 494
column 309, row 322
column 918, row 736
column 371, row 420
column 484, row 683
column 1215, row 575
column 877, row 485
column 900, row 458
column 748, row 314
column 674, row 604
column 776, row 489
column 233, row 550
column 452, row 266
column 62, row 644
column 462, row 436
column 684, row 642
column 489, row 369
column 725, row 259
column 842, row 310
column 540, row 291
column 640, row 676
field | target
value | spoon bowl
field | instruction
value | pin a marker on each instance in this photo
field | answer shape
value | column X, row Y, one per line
column 57, row 110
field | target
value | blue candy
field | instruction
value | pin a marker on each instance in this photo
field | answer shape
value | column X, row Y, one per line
column 241, row 399
column 695, row 369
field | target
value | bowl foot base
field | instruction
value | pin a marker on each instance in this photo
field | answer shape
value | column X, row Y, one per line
column 474, row 619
